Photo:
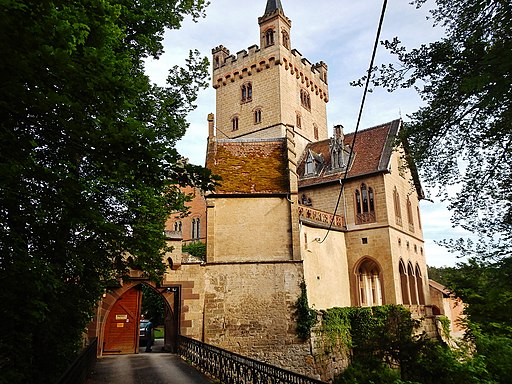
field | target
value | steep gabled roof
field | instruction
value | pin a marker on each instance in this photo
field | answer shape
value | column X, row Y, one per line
column 249, row 166
column 372, row 154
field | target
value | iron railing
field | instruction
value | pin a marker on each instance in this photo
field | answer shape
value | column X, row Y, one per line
column 78, row 371
column 231, row 368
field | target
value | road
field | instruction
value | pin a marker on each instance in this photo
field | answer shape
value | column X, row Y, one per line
column 145, row 368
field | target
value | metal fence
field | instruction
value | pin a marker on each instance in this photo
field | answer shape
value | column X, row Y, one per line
column 78, row 371
column 231, row 368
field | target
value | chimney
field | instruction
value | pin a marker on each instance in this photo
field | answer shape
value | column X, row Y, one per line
column 211, row 127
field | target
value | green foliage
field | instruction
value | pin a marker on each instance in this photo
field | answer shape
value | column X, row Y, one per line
column 384, row 350
column 152, row 305
column 306, row 317
column 463, row 135
column 197, row 249
column 88, row 164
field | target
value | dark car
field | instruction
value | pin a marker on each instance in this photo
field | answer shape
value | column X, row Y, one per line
column 145, row 334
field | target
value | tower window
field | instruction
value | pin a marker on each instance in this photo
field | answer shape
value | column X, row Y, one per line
column 299, row 121
column 315, row 131
column 365, row 205
column 286, row 40
column 269, row 37
column 217, row 62
column 305, row 99
column 234, row 122
column 257, row 116
column 246, row 92
column 196, row 226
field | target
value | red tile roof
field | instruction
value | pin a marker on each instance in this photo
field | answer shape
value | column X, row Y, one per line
column 372, row 154
column 249, row 166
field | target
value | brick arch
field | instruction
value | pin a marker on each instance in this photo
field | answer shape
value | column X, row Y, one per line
column 170, row 296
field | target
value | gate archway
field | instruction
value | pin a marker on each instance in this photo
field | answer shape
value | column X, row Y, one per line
column 118, row 317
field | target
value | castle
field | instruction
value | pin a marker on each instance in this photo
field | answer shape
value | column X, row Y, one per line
column 337, row 211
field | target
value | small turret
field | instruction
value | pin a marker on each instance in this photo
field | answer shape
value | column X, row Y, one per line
column 321, row 68
column 274, row 26
column 220, row 54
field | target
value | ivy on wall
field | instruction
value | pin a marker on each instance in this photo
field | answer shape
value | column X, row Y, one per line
column 306, row 317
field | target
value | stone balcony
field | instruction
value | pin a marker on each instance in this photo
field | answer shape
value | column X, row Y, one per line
column 320, row 218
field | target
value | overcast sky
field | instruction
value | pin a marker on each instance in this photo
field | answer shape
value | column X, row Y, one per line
column 339, row 32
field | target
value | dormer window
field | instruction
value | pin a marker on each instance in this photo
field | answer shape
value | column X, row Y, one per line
column 246, row 92
column 314, row 162
column 269, row 37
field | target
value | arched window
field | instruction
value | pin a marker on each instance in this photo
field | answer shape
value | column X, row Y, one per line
column 246, row 92
column 419, row 286
column 419, row 218
column 305, row 99
column 409, row 215
column 196, row 226
column 217, row 62
column 234, row 123
column 299, row 121
column 257, row 116
column 315, row 131
column 310, row 166
column 398, row 209
column 369, row 284
column 269, row 37
column 412, row 284
column 286, row 40
column 177, row 226
column 365, row 205
column 404, row 284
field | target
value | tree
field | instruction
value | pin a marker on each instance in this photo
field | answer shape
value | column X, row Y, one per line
column 463, row 135
column 88, row 166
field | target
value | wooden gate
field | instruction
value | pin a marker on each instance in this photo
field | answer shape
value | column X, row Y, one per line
column 122, row 326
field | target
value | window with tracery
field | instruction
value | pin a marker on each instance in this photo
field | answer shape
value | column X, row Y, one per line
column 178, row 226
column 398, row 208
column 365, row 205
column 305, row 99
column 369, row 284
column 246, row 92
column 269, row 37
column 234, row 123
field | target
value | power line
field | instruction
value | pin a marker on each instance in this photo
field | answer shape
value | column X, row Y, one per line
column 363, row 101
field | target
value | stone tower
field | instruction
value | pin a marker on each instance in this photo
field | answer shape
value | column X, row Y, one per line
column 270, row 90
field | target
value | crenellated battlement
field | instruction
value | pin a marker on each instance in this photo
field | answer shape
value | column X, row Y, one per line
column 228, row 68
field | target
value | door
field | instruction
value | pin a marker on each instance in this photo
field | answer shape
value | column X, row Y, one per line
column 122, row 326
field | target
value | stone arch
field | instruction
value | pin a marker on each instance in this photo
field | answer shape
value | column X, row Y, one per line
column 369, row 284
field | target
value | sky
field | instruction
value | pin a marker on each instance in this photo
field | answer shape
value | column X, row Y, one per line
column 339, row 32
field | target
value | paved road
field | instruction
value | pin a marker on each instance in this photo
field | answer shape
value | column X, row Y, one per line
column 145, row 368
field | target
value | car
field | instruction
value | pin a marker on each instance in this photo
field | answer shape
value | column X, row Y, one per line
column 144, row 335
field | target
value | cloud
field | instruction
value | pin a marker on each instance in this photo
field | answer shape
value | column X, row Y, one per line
column 338, row 32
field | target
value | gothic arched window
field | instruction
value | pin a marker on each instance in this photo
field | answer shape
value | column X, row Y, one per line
column 286, row 40
column 410, row 218
column 269, row 37
column 365, row 205
column 257, row 116
column 369, row 284
column 398, row 208
column 305, row 99
column 246, row 92
column 234, row 123
column 419, row 285
column 404, row 284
